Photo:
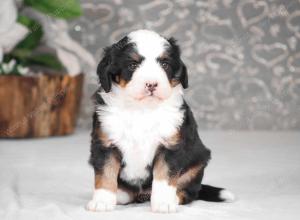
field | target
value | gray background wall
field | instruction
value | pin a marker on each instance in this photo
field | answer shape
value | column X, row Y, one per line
column 243, row 56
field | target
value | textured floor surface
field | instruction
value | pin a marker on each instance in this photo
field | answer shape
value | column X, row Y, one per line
column 50, row 179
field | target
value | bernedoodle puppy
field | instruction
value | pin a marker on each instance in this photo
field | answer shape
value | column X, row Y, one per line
column 145, row 145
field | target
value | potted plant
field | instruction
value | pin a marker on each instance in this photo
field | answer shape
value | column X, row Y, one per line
column 41, row 78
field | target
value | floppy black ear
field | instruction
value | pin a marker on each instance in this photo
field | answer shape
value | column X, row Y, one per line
column 182, row 72
column 103, row 70
column 183, row 76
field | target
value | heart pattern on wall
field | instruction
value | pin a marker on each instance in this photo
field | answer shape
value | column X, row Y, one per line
column 243, row 57
column 259, row 10
column 220, row 31
column 97, row 14
column 269, row 55
column 293, row 23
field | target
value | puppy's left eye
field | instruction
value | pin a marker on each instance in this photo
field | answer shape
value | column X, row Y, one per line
column 132, row 66
column 165, row 65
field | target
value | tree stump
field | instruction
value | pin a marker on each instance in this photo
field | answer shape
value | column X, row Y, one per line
column 39, row 106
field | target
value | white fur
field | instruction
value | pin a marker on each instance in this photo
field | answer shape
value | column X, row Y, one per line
column 227, row 195
column 123, row 197
column 163, row 197
column 151, row 46
column 149, row 43
column 137, row 128
column 103, row 200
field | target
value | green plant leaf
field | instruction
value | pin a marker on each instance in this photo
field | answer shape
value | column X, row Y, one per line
column 65, row 9
column 20, row 55
column 46, row 60
column 27, row 58
column 32, row 40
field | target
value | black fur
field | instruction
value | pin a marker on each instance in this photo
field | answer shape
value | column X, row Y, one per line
column 188, row 152
column 180, row 71
column 104, row 72
column 210, row 194
column 116, row 61
column 99, row 153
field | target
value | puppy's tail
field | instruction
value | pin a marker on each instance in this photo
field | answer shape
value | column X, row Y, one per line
column 215, row 194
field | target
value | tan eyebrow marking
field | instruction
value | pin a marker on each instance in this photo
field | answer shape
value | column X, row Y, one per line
column 165, row 55
column 136, row 57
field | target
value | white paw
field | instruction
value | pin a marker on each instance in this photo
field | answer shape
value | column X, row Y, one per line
column 163, row 197
column 164, row 206
column 103, row 200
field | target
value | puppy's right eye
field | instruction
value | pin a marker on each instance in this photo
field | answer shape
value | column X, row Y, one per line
column 165, row 65
column 132, row 66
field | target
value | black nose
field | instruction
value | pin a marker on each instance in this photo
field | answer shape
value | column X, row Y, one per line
column 151, row 86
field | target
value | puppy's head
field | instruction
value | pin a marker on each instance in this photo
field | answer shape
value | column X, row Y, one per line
column 144, row 65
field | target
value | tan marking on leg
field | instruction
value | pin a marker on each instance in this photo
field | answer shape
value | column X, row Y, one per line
column 178, row 181
column 160, row 169
column 181, row 196
column 189, row 175
column 108, row 177
column 161, row 172
column 163, row 195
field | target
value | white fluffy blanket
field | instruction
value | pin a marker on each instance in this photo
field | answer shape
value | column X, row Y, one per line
column 50, row 179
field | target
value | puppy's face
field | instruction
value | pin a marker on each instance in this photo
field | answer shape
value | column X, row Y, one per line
column 144, row 65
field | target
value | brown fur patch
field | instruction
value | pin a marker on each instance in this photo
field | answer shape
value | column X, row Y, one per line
column 181, row 196
column 174, row 83
column 161, row 172
column 103, row 137
column 160, row 169
column 188, row 176
column 108, row 177
column 122, row 83
column 165, row 55
column 173, row 140
column 136, row 57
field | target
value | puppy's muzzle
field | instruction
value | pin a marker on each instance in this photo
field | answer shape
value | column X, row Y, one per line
column 151, row 87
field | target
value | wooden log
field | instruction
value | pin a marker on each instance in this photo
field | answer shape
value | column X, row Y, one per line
column 39, row 106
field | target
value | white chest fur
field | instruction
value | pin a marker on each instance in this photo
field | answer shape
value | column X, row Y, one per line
column 138, row 130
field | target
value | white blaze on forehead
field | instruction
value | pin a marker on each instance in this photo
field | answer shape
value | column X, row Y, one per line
column 148, row 43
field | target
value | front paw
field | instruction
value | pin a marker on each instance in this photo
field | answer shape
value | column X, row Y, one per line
column 164, row 206
column 163, row 198
column 103, row 200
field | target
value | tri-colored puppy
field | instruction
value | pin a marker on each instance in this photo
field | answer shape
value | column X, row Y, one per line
column 145, row 144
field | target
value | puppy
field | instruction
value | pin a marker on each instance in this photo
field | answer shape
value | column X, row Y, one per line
column 145, row 144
